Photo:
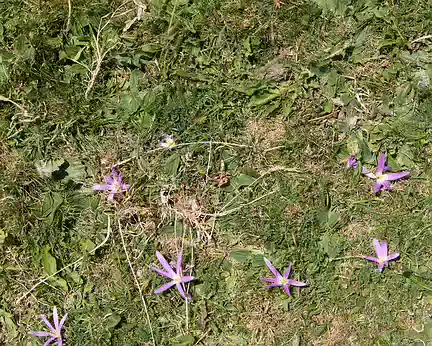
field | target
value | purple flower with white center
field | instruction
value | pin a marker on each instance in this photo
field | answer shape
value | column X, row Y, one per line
column 383, row 179
column 168, row 142
column 114, row 184
column 383, row 258
column 55, row 331
column 280, row 280
column 176, row 276
column 352, row 161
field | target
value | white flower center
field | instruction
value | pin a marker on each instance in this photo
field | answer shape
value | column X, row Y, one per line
column 381, row 178
column 284, row 281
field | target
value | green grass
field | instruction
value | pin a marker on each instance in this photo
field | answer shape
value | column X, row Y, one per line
column 271, row 101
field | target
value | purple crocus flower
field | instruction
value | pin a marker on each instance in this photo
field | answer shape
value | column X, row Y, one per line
column 352, row 161
column 176, row 276
column 382, row 255
column 383, row 179
column 280, row 280
column 55, row 332
column 114, row 184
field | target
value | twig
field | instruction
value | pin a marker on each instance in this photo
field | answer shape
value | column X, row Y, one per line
column 421, row 38
column 179, row 146
column 69, row 15
column 69, row 265
column 136, row 283
column 5, row 99
column 100, row 53
column 239, row 207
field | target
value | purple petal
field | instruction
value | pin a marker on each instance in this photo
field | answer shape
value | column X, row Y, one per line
column 125, row 187
column 288, row 271
column 62, row 322
column 111, row 196
column 102, row 187
column 370, row 258
column 378, row 187
column 109, row 180
column 41, row 334
column 386, row 186
column 393, row 256
column 271, row 267
column 368, row 174
column 185, row 279
column 396, row 176
column 381, row 267
column 296, row 283
column 115, row 175
column 387, row 168
column 287, row 290
column 50, row 341
column 165, row 264
column 165, row 287
column 160, row 272
column 381, row 164
column 55, row 317
column 179, row 262
column 43, row 317
column 271, row 280
column 60, row 342
column 380, row 249
column 271, row 286
column 181, row 290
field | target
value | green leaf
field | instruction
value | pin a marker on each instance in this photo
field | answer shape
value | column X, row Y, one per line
column 50, row 205
column 184, row 340
column 241, row 255
column 112, row 321
column 87, row 245
column 6, row 319
column 172, row 164
column 60, row 283
column 242, row 180
column 48, row 261
column 265, row 97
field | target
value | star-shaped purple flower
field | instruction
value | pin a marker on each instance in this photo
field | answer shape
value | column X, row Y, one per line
column 280, row 280
column 383, row 179
column 383, row 258
column 55, row 332
column 114, row 184
column 176, row 276
column 352, row 161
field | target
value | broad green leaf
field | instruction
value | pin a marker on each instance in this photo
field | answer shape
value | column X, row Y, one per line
column 242, row 180
column 265, row 97
column 184, row 340
column 51, row 202
column 7, row 319
column 241, row 255
column 87, row 245
column 60, row 282
column 48, row 261
column 112, row 321
column 172, row 164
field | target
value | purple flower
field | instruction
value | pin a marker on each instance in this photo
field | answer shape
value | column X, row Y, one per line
column 55, row 332
column 383, row 179
column 280, row 280
column 114, row 185
column 176, row 276
column 167, row 142
column 382, row 254
column 352, row 161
